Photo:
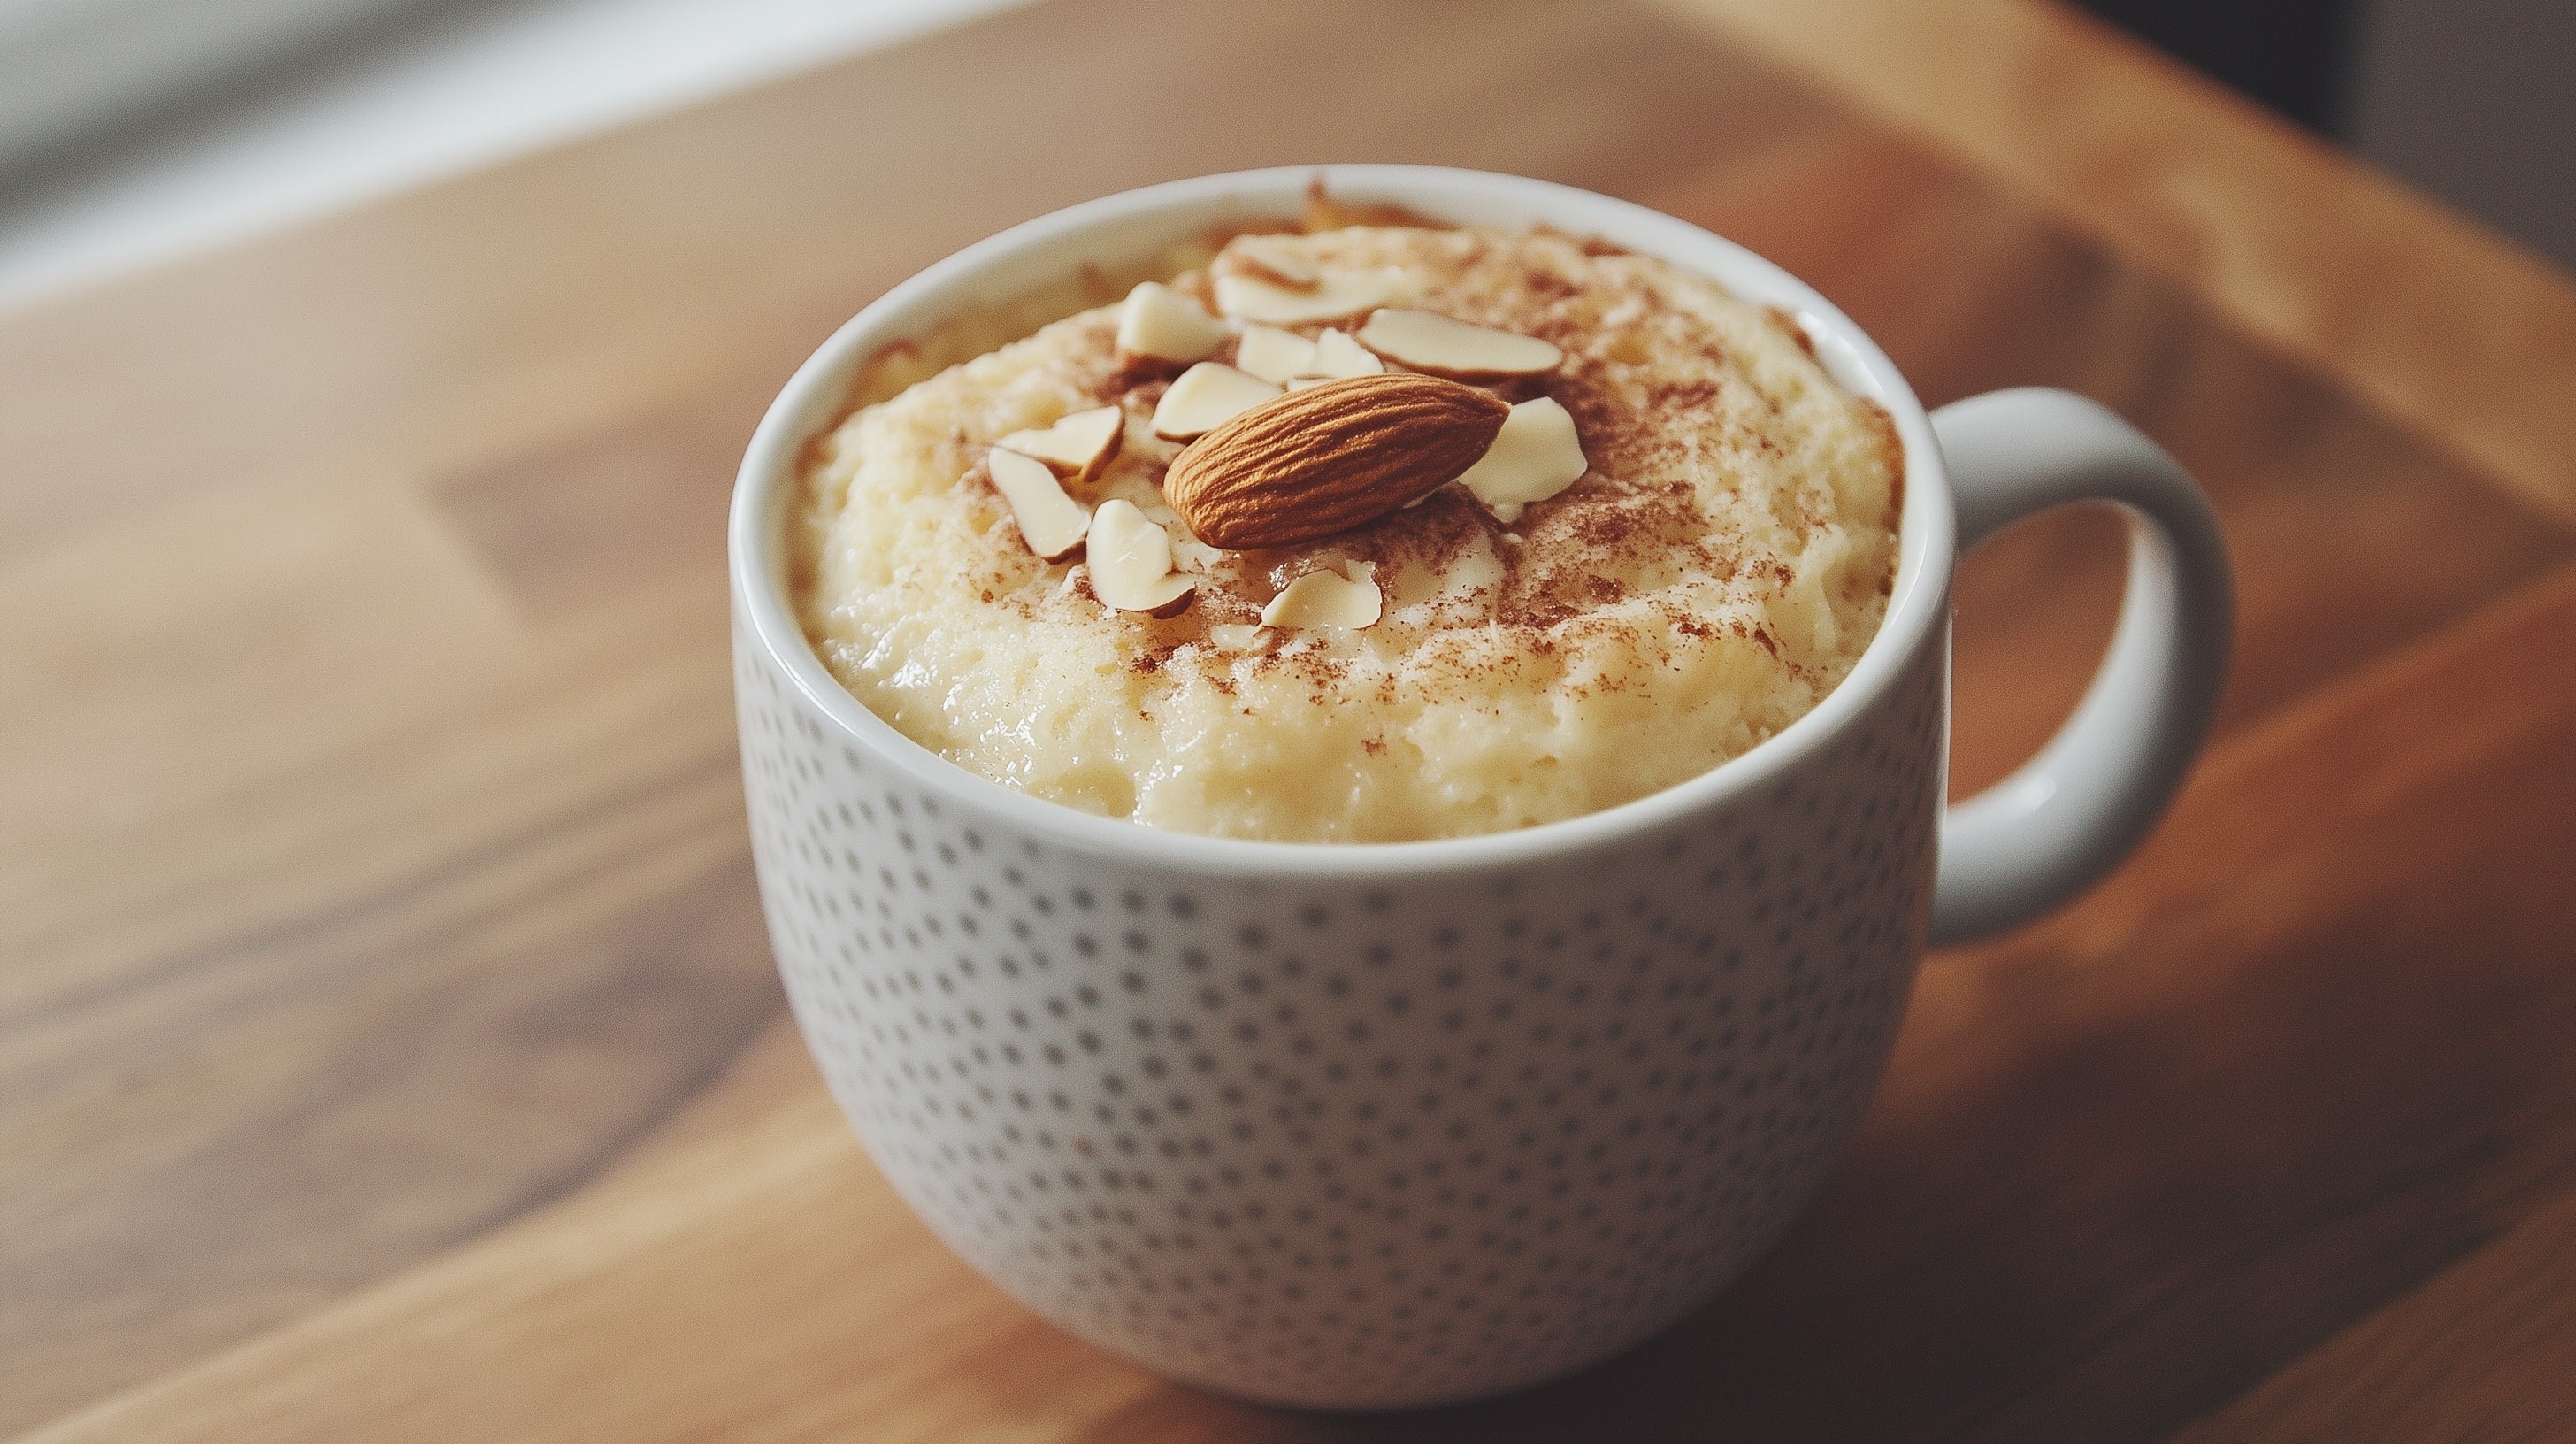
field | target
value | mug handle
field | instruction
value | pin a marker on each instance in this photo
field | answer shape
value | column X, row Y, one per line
column 2074, row 810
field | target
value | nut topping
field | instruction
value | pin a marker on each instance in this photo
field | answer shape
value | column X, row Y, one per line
column 1078, row 446
column 1206, row 397
column 1274, row 355
column 1165, row 325
column 1328, row 599
column 1271, row 258
column 1334, row 295
column 1336, row 354
column 1447, row 347
column 1052, row 523
column 1131, row 563
column 1314, row 462
column 1534, row 456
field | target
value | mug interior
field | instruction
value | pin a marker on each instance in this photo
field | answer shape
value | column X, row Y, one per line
column 1123, row 229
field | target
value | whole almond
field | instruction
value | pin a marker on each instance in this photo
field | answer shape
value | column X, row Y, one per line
column 1311, row 463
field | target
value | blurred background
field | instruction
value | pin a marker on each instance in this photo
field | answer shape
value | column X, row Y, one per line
column 134, row 130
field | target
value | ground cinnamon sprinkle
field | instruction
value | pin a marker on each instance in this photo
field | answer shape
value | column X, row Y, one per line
column 1673, row 573
column 1614, row 523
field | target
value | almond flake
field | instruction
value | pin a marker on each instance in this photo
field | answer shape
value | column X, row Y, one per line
column 1131, row 563
column 1328, row 599
column 1234, row 636
column 1052, row 523
column 1077, row 446
column 1535, row 456
column 1274, row 355
column 1272, row 258
column 1337, row 355
column 1166, row 325
column 1335, row 295
column 1206, row 397
column 1444, row 346
column 1191, row 555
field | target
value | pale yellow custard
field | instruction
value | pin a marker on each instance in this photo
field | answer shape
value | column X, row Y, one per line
column 1718, row 569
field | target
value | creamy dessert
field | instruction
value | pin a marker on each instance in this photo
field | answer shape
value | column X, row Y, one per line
column 1377, row 533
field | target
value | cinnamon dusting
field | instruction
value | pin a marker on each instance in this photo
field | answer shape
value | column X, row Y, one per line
column 1680, row 542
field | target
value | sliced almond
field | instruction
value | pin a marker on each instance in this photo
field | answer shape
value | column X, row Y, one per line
column 1052, row 523
column 1272, row 258
column 1206, row 397
column 1324, row 460
column 1445, row 346
column 1328, row 599
column 1191, row 555
column 1166, row 325
column 1078, row 446
column 1131, row 563
column 1274, row 355
column 1234, row 636
column 1334, row 295
column 1535, row 456
column 1336, row 354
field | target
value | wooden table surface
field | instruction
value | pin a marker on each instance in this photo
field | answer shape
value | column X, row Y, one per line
column 389, row 1048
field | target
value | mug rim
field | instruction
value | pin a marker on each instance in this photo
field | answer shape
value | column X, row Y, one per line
column 816, row 395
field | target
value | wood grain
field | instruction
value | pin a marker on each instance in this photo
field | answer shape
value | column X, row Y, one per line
column 2481, row 1352
column 2452, row 330
column 389, row 1046
column 2279, row 1111
column 2325, row 502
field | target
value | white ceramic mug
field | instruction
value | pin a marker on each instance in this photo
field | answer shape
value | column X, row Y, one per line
column 1396, row 1124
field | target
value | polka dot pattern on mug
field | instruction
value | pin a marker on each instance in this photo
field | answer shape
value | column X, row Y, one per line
column 1353, row 1145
